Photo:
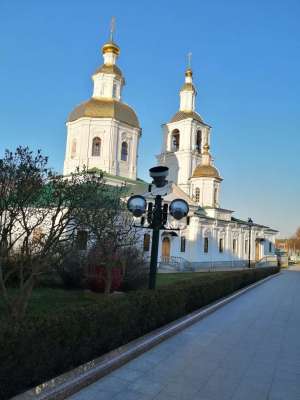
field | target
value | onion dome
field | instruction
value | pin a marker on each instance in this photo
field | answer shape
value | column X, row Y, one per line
column 188, row 84
column 189, row 72
column 105, row 108
column 206, row 171
column 111, row 47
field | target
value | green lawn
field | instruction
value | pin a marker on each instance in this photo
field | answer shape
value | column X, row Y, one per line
column 46, row 300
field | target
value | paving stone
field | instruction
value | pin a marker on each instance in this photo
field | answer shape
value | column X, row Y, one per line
column 131, row 395
column 90, row 395
column 248, row 349
column 147, row 386
column 127, row 374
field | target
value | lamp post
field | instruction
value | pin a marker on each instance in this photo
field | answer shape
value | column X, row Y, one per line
column 250, row 224
column 157, row 214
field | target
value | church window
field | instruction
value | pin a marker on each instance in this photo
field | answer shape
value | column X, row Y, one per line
column 215, row 196
column 124, row 151
column 246, row 246
column 234, row 246
column 96, row 147
column 197, row 195
column 146, row 242
column 175, row 140
column 206, row 245
column 199, row 141
column 81, row 240
column 221, row 245
column 270, row 247
column 114, row 94
column 182, row 244
column 73, row 148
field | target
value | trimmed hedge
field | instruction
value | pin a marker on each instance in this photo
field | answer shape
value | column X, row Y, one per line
column 47, row 346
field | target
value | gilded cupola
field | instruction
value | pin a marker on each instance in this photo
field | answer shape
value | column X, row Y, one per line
column 106, row 101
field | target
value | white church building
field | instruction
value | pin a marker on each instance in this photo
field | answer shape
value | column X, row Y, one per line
column 103, row 134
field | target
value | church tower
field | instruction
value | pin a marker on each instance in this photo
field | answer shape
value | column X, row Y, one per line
column 103, row 133
column 206, row 182
column 183, row 137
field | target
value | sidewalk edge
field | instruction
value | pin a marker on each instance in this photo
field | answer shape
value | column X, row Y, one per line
column 71, row 382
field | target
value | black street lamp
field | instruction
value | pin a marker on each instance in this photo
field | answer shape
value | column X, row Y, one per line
column 157, row 214
column 250, row 224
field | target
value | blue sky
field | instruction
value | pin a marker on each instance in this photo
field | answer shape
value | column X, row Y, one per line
column 246, row 63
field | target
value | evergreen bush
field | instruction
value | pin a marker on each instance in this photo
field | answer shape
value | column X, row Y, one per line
column 49, row 345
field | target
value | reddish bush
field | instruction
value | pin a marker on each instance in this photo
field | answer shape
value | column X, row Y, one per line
column 98, row 276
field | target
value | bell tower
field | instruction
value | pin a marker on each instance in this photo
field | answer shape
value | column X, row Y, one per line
column 103, row 132
column 206, row 182
column 184, row 136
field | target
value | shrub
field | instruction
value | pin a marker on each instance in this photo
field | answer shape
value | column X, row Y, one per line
column 97, row 277
column 135, row 270
column 71, row 269
column 49, row 345
column 104, row 270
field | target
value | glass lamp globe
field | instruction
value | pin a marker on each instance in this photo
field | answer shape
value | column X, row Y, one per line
column 179, row 208
column 137, row 205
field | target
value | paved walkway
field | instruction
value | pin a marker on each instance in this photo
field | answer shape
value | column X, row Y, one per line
column 248, row 349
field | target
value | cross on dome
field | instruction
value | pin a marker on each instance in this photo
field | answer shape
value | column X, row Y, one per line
column 189, row 60
column 112, row 28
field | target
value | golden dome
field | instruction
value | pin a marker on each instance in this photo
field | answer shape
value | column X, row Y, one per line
column 206, row 171
column 189, row 72
column 109, row 69
column 111, row 47
column 105, row 108
column 180, row 115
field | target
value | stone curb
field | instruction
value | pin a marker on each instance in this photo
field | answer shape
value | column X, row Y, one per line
column 71, row 382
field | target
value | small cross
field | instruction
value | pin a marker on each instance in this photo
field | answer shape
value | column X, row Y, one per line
column 112, row 28
column 189, row 59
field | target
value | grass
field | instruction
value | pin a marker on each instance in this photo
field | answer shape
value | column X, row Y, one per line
column 45, row 300
column 51, row 300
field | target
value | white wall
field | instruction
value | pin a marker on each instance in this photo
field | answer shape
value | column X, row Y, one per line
column 112, row 133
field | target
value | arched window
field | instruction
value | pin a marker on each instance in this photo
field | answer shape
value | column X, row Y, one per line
column 221, row 245
column 146, row 242
column 175, row 140
column 205, row 245
column 199, row 141
column 234, row 246
column 197, row 195
column 182, row 244
column 124, row 151
column 73, row 148
column 114, row 94
column 246, row 246
column 215, row 197
column 96, row 147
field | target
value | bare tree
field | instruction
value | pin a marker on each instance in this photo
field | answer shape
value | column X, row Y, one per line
column 104, row 215
column 36, row 217
column 294, row 241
